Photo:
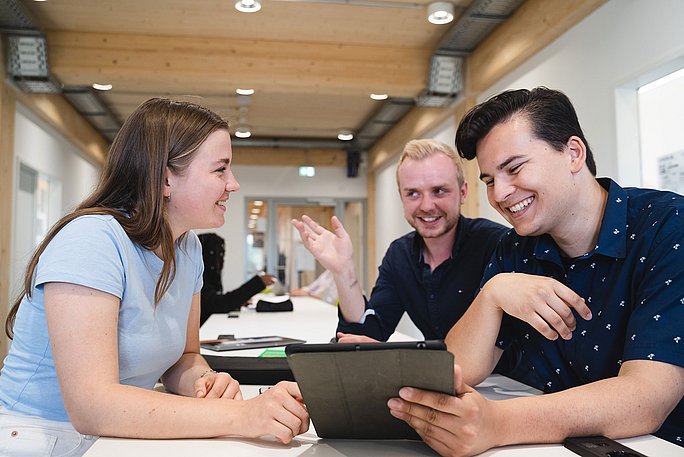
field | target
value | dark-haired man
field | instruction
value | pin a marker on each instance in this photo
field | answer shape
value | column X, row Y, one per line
column 589, row 290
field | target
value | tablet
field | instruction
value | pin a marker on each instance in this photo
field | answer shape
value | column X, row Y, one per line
column 346, row 386
column 254, row 342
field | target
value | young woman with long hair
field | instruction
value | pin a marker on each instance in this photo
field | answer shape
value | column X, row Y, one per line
column 111, row 304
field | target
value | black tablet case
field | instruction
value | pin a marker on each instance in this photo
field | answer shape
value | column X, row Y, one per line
column 252, row 370
column 346, row 392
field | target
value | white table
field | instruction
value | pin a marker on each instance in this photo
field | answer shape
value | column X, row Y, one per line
column 308, row 444
column 315, row 321
column 311, row 320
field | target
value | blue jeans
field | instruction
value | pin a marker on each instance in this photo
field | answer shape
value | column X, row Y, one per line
column 22, row 435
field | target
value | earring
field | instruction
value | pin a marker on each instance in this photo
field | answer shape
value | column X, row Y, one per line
column 168, row 198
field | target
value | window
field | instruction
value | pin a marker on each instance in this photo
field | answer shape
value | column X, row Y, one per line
column 661, row 117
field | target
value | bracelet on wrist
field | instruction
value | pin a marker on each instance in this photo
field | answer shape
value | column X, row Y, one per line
column 206, row 372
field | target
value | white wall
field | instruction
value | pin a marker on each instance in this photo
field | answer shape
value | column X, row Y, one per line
column 607, row 52
column 281, row 182
column 44, row 150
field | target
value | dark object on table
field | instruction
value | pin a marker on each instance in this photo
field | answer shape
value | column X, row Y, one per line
column 265, row 306
column 253, row 342
column 253, row 370
column 599, row 446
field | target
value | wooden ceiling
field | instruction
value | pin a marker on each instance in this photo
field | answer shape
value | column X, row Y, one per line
column 313, row 64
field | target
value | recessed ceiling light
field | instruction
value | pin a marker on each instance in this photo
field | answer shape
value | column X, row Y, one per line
column 102, row 86
column 244, row 91
column 345, row 135
column 248, row 6
column 307, row 171
column 243, row 132
column 379, row 96
column 440, row 12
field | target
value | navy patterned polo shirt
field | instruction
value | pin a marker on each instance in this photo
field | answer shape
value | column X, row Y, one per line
column 633, row 282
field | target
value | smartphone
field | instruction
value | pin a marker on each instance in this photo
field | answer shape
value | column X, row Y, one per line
column 599, row 446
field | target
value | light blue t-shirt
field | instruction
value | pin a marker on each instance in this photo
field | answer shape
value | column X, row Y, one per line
column 94, row 251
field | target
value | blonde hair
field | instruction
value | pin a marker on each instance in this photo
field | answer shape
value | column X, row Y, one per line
column 421, row 149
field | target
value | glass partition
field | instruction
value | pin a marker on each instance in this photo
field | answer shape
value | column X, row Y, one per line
column 274, row 245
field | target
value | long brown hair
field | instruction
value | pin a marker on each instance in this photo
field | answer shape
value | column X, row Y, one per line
column 160, row 133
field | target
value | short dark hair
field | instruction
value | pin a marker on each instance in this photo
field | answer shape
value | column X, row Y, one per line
column 550, row 112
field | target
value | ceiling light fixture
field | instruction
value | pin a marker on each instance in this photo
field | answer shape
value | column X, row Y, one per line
column 102, row 86
column 379, row 96
column 243, row 132
column 248, row 6
column 307, row 171
column 440, row 12
column 345, row 135
column 244, row 91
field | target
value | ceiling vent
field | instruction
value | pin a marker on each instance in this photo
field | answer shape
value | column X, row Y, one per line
column 445, row 82
column 15, row 19
column 388, row 114
column 27, row 64
column 27, row 68
column 446, row 78
column 476, row 23
column 90, row 105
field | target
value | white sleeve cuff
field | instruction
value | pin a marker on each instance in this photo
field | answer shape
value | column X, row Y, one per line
column 369, row 312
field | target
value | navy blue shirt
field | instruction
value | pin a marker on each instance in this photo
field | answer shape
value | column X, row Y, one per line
column 633, row 282
column 434, row 300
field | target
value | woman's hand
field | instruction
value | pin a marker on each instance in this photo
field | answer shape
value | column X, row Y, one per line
column 217, row 385
column 279, row 411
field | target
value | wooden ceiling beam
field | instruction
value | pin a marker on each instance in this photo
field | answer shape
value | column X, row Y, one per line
column 212, row 65
column 288, row 157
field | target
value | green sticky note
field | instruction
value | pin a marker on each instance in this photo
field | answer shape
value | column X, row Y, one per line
column 273, row 352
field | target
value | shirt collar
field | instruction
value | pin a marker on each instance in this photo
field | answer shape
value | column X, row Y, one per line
column 612, row 239
column 419, row 245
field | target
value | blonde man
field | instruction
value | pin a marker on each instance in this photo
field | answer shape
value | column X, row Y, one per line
column 432, row 273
